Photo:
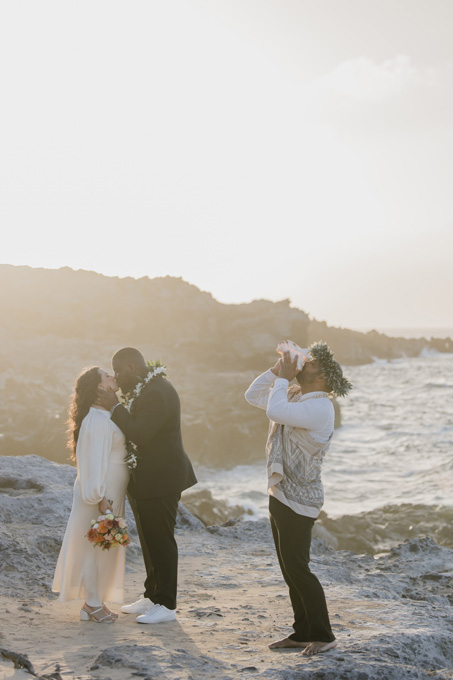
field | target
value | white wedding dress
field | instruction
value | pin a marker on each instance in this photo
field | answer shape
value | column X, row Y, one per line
column 84, row 571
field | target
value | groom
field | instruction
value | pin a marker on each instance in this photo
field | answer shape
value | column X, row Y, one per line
column 153, row 425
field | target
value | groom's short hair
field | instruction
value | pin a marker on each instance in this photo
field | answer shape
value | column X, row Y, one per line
column 129, row 355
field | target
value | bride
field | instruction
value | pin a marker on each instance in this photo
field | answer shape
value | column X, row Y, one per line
column 98, row 448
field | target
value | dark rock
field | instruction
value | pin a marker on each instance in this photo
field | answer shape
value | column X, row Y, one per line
column 209, row 510
column 186, row 520
column 378, row 530
column 19, row 660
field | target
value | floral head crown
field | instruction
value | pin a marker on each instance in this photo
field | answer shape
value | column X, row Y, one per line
column 330, row 368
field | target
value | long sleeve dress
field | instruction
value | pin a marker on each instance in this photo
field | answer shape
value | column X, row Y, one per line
column 83, row 571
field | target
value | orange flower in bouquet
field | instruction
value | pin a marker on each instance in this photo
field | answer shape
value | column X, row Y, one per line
column 108, row 531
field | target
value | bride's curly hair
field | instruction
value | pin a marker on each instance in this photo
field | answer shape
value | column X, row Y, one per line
column 85, row 391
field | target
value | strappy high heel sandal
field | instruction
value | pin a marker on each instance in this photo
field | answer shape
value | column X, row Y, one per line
column 109, row 611
column 90, row 616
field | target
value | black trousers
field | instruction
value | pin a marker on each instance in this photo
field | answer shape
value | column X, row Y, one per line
column 156, row 519
column 292, row 538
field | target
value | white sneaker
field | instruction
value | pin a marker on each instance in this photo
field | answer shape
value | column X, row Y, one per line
column 139, row 607
column 157, row 614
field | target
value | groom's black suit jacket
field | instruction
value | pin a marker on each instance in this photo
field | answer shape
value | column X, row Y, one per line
column 154, row 426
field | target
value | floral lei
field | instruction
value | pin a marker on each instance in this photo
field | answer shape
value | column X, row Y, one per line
column 156, row 369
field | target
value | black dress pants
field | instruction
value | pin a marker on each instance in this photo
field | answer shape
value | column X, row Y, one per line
column 292, row 538
column 156, row 519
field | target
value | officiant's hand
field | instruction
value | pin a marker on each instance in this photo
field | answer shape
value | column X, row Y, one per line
column 106, row 398
column 276, row 369
column 288, row 367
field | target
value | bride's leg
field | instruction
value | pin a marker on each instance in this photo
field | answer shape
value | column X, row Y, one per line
column 93, row 600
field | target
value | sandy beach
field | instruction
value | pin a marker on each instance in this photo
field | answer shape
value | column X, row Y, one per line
column 392, row 614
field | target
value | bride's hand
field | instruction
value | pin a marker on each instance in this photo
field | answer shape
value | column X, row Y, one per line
column 106, row 398
column 105, row 506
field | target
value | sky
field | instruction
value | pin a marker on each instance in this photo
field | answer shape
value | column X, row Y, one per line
column 256, row 148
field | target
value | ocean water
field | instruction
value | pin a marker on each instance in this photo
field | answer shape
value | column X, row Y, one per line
column 418, row 332
column 395, row 445
column 439, row 332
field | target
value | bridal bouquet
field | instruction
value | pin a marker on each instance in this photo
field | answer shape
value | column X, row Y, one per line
column 108, row 531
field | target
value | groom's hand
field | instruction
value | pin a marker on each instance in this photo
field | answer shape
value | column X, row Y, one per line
column 106, row 398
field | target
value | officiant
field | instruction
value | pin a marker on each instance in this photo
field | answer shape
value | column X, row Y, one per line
column 300, row 430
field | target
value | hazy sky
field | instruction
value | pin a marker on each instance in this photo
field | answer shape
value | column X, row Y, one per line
column 257, row 148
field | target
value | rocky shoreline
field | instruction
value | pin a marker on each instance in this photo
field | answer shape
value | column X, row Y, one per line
column 392, row 613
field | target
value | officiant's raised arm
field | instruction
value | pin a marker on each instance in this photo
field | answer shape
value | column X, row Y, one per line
column 258, row 392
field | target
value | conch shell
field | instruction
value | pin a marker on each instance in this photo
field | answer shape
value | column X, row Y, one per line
column 302, row 355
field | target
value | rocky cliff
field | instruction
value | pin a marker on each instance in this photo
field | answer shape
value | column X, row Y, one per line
column 55, row 322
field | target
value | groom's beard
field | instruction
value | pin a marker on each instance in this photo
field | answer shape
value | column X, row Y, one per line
column 130, row 384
